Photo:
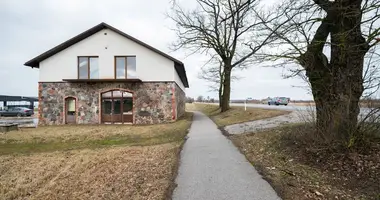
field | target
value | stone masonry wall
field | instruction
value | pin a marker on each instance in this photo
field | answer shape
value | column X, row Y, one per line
column 180, row 101
column 152, row 101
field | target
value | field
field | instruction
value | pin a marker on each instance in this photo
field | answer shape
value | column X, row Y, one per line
column 236, row 114
column 91, row 162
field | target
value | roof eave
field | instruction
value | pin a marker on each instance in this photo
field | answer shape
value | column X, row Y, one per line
column 32, row 64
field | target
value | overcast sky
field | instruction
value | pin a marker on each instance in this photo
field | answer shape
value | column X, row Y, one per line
column 31, row 27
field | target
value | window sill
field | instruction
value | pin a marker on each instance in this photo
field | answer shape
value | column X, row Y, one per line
column 101, row 80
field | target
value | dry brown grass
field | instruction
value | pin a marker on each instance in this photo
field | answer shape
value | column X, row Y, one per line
column 237, row 114
column 302, row 171
column 107, row 173
column 303, row 104
column 190, row 107
column 91, row 162
column 86, row 132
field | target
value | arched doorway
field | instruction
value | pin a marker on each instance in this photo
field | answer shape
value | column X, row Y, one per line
column 117, row 107
column 70, row 110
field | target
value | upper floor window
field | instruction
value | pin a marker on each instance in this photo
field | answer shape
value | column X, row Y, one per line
column 125, row 67
column 88, row 67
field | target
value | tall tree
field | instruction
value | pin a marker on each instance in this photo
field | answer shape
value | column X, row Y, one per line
column 329, row 39
column 213, row 73
column 226, row 28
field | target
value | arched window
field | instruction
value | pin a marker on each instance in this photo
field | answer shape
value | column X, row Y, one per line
column 117, row 106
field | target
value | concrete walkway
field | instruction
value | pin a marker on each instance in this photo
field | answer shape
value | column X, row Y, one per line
column 212, row 168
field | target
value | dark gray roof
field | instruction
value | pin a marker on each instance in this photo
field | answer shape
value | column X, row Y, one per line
column 35, row 62
column 17, row 98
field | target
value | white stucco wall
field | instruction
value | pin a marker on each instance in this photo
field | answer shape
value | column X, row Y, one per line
column 150, row 66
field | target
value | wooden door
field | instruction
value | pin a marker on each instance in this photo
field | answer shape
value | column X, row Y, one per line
column 107, row 110
column 70, row 111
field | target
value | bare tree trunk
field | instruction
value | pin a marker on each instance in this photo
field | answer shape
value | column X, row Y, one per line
column 221, row 82
column 337, row 86
column 337, row 106
column 226, row 89
column 220, row 93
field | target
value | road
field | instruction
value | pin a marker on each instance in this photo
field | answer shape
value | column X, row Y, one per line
column 298, row 114
column 290, row 107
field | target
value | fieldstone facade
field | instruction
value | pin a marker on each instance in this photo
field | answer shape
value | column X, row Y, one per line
column 180, row 101
column 153, row 102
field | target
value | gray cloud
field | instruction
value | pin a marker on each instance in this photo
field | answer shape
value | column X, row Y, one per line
column 32, row 27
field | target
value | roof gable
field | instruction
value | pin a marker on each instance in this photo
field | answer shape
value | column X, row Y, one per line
column 178, row 65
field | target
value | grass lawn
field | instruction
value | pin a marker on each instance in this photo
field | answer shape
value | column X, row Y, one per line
column 91, row 162
column 235, row 115
column 299, row 170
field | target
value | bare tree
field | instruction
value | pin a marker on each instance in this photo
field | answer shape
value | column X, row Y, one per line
column 215, row 76
column 371, row 76
column 213, row 73
column 226, row 28
column 189, row 100
column 330, row 40
column 200, row 99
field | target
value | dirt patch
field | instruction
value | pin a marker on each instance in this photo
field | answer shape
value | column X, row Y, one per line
column 302, row 171
column 237, row 114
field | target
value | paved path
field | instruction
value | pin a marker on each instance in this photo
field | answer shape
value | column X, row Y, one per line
column 212, row 168
column 257, row 125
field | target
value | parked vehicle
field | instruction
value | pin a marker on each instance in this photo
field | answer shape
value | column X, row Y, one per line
column 17, row 112
column 278, row 101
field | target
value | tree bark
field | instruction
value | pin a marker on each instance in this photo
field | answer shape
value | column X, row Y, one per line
column 226, row 88
column 221, row 82
column 337, row 86
column 220, row 93
column 337, row 105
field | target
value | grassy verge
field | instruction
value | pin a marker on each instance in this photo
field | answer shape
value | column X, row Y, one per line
column 91, row 162
column 236, row 114
column 58, row 138
column 299, row 170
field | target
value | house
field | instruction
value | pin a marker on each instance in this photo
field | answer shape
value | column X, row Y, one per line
column 104, row 75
